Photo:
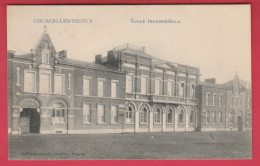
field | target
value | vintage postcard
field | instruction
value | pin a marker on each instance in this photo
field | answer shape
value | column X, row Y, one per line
column 129, row 82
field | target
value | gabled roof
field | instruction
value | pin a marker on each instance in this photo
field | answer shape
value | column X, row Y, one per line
column 45, row 37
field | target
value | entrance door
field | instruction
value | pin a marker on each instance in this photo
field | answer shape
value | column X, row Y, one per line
column 34, row 121
column 239, row 123
column 29, row 120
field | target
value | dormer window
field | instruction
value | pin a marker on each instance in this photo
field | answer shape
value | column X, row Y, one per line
column 45, row 56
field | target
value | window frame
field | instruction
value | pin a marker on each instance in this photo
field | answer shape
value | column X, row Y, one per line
column 24, row 81
column 104, row 110
column 145, row 117
column 117, row 114
column 146, row 86
column 98, row 90
column 117, row 88
column 132, row 83
column 50, row 82
column 157, row 115
column 90, row 86
column 63, row 83
column 127, row 113
column 84, row 114
column 181, row 112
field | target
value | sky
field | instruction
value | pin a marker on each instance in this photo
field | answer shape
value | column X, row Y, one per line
column 215, row 38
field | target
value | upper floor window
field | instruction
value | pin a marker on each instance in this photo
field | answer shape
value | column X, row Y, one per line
column 101, row 88
column 207, row 98
column 170, row 89
column 248, row 102
column 157, row 116
column 114, row 114
column 129, row 83
column 87, row 86
column 59, row 84
column 192, row 91
column 157, row 86
column 181, row 90
column 29, row 81
column 101, row 114
column 231, row 117
column 220, row 100
column 45, row 83
column 114, row 89
column 45, row 57
column 86, row 113
column 214, row 99
column 143, row 85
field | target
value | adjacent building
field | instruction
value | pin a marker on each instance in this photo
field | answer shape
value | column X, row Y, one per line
column 127, row 90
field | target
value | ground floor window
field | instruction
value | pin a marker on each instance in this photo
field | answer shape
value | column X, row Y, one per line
column 207, row 117
column 157, row 116
column 214, row 117
column 86, row 113
column 143, row 115
column 101, row 114
column 220, row 117
column 58, row 113
column 192, row 116
column 129, row 115
column 181, row 116
column 231, row 117
column 170, row 116
column 114, row 114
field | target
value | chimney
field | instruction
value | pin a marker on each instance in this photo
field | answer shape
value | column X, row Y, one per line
column 98, row 58
column 10, row 53
column 63, row 54
column 211, row 80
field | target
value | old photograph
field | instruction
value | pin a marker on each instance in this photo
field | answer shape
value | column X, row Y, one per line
column 129, row 82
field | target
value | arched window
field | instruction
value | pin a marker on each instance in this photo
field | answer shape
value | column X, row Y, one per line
column 207, row 117
column 144, row 115
column 129, row 114
column 231, row 117
column 157, row 115
column 181, row 116
column 58, row 113
column 170, row 116
column 192, row 116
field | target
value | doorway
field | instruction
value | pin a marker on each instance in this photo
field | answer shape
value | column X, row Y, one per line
column 29, row 120
column 239, row 123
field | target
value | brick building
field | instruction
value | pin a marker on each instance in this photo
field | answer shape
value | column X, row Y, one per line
column 126, row 91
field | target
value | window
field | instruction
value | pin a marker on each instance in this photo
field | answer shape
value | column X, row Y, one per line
column 58, row 113
column 181, row 116
column 58, row 84
column 220, row 117
column 192, row 116
column 129, row 115
column 114, row 89
column 181, row 90
column 143, row 85
column 29, row 81
column 143, row 115
column 248, row 102
column 207, row 98
column 214, row 99
column 86, row 113
column 214, row 117
column 45, row 84
column 157, row 116
column 129, row 83
column 157, row 87
column 45, row 58
column 101, row 114
column 170, row 90
column 192, row 91
column 170, row 116
column 100, row 88
column 231, row 117
column 114, row 114
column 207, row 117
column 87, row 86
column 220, row 100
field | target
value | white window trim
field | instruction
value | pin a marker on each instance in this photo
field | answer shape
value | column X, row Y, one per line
column 220, row 117
column 29, row 71
column 45, row 72
column 214, row 101
column 184, row 87
column 63, row 82
column 90, row 88
column 132, row 114
column 160, row 83
column 104, row 80
column 173, row 89
column 220, row 104
column 207, row 101
column 144, row 76
column 160, row 115
column 117, row 107
column 90, row 107
column 117, row 90
column 147, row 116
column 213, row 117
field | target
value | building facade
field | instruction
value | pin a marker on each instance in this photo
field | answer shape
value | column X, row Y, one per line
column 127, row 90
